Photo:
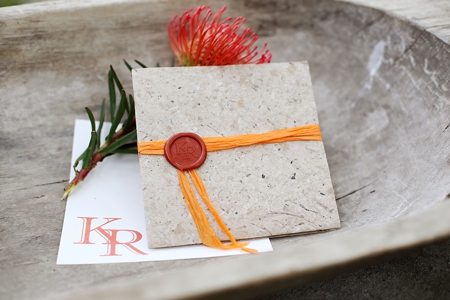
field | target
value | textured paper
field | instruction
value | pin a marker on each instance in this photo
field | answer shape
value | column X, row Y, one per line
column 113, row 192
column 260, row 191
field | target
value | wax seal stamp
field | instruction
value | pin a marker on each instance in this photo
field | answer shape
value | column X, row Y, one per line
column 185, row 151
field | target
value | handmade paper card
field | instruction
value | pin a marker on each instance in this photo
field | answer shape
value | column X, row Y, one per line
column 260, row 190
column 104, row 220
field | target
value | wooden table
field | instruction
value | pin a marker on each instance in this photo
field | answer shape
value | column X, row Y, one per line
column 381, row 78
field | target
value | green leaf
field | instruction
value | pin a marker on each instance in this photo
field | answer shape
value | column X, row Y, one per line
column 173, row 62
column 126, row 149
column 131, row 114
column 90, row 150
column 128, row 65
column 131, row 136
column 116, row 79
column 118, row 117
column 158, row 65
column 100, row 125
column 92, row 143
column 91, row 118
column 77, row 161
column 141, row 64
column 112, row 95
column 127, row 106
column 119, row 86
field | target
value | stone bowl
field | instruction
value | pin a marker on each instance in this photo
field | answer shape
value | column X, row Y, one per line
column 380, row 71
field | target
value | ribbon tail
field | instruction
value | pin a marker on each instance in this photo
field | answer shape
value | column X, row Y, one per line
column 206, row 233
column 198, row 183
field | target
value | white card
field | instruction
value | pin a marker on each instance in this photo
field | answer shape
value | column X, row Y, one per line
column 104, row 220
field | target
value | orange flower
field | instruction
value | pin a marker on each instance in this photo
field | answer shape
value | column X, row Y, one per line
column 198, row 40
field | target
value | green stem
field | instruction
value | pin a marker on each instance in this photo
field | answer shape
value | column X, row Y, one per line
column 97, row 157
column 81, row 175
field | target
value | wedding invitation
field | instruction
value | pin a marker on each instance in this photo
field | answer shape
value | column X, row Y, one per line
column 268, row 190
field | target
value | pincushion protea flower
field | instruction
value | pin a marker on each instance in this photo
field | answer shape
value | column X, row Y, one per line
column 199, row 40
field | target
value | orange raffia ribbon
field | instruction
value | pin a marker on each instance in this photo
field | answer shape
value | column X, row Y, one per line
column 208, row 237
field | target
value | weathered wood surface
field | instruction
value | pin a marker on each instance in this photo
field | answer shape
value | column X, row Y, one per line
column 380, row 72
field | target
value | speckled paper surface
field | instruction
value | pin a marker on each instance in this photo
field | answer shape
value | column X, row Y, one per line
column 260, row 191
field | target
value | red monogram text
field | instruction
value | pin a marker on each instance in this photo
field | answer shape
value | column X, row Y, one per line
column 182, row 148
column 110, row 236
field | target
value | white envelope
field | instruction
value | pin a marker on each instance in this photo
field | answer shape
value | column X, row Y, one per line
column 105, row 222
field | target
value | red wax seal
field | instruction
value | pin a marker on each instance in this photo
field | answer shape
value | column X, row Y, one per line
column 185, row 151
